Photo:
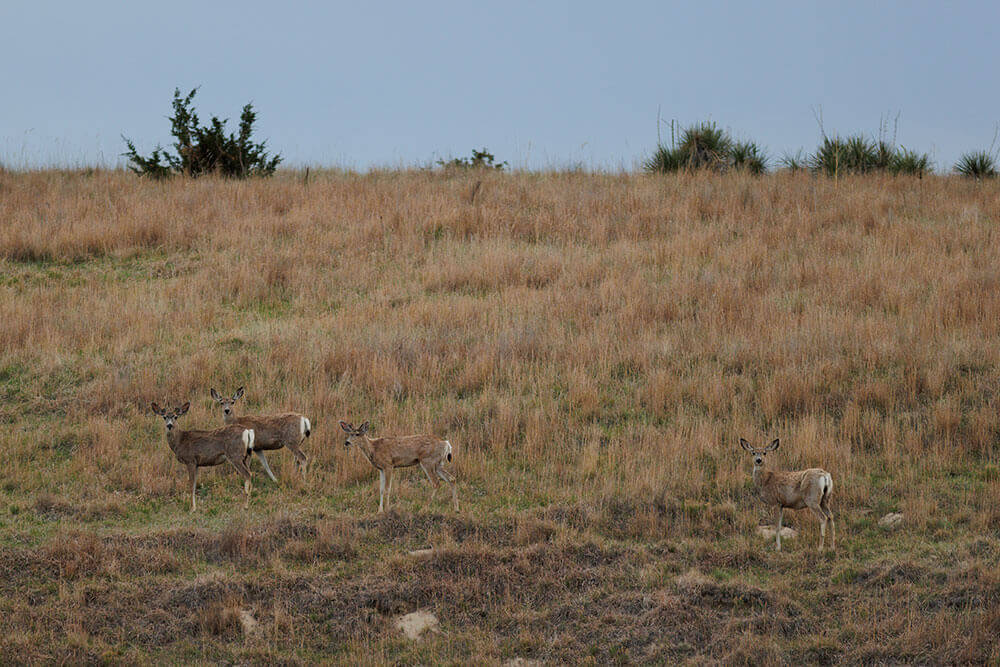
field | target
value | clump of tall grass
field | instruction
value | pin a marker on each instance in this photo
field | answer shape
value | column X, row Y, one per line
column 907, row 161
column 859, row 155
column 705, row 146
column 794, row 162
column 747, row 155
column 977, row 164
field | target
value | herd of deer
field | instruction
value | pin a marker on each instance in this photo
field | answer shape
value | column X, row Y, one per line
column 249, row 435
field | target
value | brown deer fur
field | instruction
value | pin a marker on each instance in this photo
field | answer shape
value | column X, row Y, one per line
column 289, row 430
column 386, row 454
column 200, row 449
column 794, row 489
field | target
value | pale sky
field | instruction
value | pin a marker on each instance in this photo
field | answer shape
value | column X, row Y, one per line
column 540, row 84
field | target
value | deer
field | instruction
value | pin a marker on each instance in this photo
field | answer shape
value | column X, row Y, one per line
column 271, row 431
column 388, row 453
column 794, row 489
column 200, row 449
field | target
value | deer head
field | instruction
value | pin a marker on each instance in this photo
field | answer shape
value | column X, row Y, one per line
column 226, row 402
column 354, row 435
column 758, row 454
column 170, row 418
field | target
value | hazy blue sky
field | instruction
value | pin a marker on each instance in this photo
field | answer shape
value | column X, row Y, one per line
column 541, row 84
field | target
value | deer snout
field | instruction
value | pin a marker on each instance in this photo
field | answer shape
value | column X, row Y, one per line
column 170, row 426
column 758, row 460
column 225, row 410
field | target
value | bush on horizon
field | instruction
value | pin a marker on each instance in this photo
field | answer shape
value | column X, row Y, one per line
column 977, row 164
column 707, row 146
column 205, row 149
column 859, row 155
column 479, row 160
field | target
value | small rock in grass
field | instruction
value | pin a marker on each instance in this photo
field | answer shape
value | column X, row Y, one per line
column 415, row 624
column 769, row 531
column 248, row 622
column 421, row 553
column 890, row 520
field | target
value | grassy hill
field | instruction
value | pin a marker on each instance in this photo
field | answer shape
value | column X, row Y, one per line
column 592, row 345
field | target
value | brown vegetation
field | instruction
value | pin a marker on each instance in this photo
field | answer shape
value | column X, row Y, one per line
column 593, row 345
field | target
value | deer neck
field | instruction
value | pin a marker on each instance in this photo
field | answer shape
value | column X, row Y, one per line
column 366, row 448
column 758, row 475
column 228, row 419
column 174, row 439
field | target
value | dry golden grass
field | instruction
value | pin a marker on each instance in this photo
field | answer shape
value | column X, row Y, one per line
column 592, row 346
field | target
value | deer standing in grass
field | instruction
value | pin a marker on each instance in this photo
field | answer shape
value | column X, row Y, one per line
column 271, row 431
column 794, row 489
column 386, row 454
column 199, row 449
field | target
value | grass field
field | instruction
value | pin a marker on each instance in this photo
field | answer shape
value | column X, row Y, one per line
column 592, row 345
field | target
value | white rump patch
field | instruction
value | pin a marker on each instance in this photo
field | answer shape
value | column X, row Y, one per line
column 248, row 437
column 448, row 449
column 304, row 427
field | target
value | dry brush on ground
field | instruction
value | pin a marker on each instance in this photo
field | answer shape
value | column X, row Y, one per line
column 592, row 345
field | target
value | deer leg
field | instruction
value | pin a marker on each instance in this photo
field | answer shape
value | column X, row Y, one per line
column 825, row 506
column 448, row 477
column 381, row 489
column 388, row 490
column 300, row 457
column 435, row 482
column 193, row 481
column 267, row 468
column 818, row 511
column 244, row 472
column 777, row 533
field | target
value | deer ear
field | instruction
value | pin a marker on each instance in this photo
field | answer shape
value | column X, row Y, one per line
column 184, row 408
column 363, row 428
column 238, row 394
column 344, row 425
column 157, row 410
column 773, row 446
column 215, row 394
column 746, row 445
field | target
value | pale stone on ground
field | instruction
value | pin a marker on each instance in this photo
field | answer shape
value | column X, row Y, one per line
column 248, row 622
column 890, row 520
column 522, row 662
column 768, row 532
column 421, row 553
column 415, row 624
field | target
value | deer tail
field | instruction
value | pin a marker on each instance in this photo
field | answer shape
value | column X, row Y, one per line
column 305, row 428
column 248, row 437
column 447, row 450
column 827, row 484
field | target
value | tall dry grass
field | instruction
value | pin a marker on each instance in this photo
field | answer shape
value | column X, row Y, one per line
column 592, row 345
column 612, row 335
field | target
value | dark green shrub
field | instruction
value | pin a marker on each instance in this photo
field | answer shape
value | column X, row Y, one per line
column 859, row 155
column 910, row 162
column 748, row 156
column 977, row 164
column 836, row 156
column 664, row 160
column 205, row 149
column 480, row 160
column 707, row 146
column 795, row 162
